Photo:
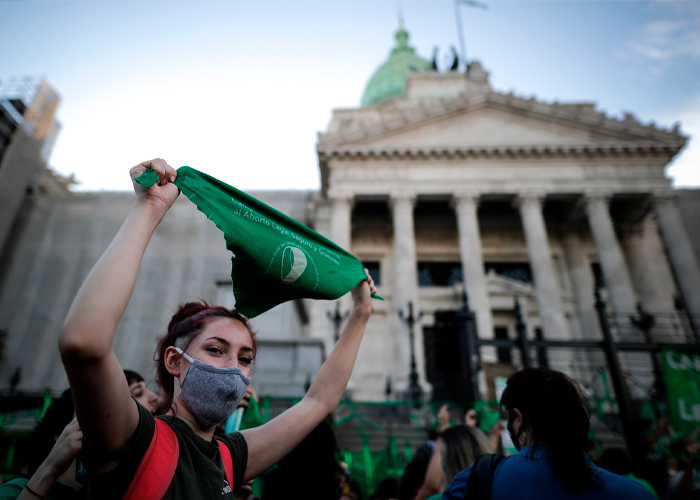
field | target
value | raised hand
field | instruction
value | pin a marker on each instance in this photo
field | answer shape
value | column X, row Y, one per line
column 161, row 194
column 362, row 294
column 249, row 393
column 66, row 448
column 443, row 417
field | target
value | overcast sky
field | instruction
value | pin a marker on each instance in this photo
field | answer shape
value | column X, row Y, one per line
column 240, row 89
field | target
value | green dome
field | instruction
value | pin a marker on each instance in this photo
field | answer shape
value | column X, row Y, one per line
column 390, row 78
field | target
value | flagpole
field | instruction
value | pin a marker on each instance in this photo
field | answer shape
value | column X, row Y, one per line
column 460, row 34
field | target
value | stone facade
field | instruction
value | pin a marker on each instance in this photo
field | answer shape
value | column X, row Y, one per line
column 61, row 239
column 451, row 186
column 492, row 180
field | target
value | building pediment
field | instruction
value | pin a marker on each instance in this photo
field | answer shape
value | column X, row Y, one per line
column 486, row 120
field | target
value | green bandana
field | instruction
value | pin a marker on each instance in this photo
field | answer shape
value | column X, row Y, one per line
column 275, row 258
column 681, row 365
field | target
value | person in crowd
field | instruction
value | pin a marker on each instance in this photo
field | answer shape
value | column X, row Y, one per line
column 433, row 436
column 471, row 418
column 496, row 439
column 388, row 489
column 354, row 491
column 342, row 479
column 249, row 393
column 549, row 423
column 315, row 453
column 414, row 473
column 444, row 419
column 685, row 481
column 653, row 454
column 458, row 447
column 50, row 463
column 246, row 492
column 617, row 461
column 461, row 446
column 140, row 391
column 203, row 369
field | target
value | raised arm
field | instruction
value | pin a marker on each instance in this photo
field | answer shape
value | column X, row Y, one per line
column 56, row 463
column 269, row 443
column 103, row 404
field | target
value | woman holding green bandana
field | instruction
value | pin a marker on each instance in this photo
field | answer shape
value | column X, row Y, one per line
column 203, row 369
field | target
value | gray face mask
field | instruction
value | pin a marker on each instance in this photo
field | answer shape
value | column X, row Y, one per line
column 212, row 393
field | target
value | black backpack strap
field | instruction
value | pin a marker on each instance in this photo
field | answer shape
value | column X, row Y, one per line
column 481, row 477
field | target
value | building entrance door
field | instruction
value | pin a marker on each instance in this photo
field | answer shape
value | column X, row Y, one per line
column 445, row 358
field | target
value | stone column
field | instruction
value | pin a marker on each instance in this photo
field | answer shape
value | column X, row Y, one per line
column 680, row 252
column 405, row 288
column 649, row 268
column 341, row 220
column 612, row 261
column 582, row 282
column 546, row 284
column 465, row 205
column 341, row 234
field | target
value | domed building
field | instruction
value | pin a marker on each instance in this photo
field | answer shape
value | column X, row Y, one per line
column 443, row 185
column 440, row 185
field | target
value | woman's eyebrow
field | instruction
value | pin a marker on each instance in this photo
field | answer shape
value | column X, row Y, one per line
column 247, row 349
column 223, row 341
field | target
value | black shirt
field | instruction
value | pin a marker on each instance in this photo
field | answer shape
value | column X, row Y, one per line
column 199, row 473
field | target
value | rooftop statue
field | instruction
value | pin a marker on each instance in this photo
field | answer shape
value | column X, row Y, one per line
column 389, row 80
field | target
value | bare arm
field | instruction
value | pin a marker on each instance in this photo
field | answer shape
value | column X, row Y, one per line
column 60, row 458
column 107, row 415
column 684, row 490
column 269, row 443
column 434, row 476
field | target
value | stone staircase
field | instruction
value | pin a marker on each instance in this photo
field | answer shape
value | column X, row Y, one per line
column 379, row 422
column 376, row 422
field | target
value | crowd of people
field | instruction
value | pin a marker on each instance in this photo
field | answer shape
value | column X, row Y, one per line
column 110, row 437
column 548, row 425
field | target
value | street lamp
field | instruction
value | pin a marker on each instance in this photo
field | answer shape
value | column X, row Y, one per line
column 414, row 390
column 645, row 322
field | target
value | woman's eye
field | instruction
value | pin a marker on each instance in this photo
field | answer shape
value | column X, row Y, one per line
column 215, row 350
column 245, row 361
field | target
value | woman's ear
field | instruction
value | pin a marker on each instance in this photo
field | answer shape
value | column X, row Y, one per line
column 518, row 420
column 172, row 359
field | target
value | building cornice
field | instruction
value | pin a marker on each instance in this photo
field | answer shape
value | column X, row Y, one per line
column 627, row 149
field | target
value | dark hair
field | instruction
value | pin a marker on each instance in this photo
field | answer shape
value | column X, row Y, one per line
column 189, row 320
column 57, row 416
column 678, row 446
column 316, row 452
column 552, row 405
column 387, row 489
column 615, row 460
column 132, row 377
column 414, row 473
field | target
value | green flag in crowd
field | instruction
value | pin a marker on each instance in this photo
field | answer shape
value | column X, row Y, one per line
column 251, row 416
column 275, row 258
column 682, row 374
